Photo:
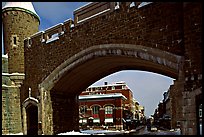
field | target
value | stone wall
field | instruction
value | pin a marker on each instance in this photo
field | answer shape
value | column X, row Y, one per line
column 135, row 26
column 11, row 112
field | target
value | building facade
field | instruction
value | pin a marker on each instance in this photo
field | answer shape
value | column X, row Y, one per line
column 97, row 111
column 109, row 105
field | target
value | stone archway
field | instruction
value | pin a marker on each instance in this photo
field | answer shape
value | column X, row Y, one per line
column 59, row 91
column 120, row 56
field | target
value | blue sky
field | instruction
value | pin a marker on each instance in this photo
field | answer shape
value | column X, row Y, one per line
column 147, row 87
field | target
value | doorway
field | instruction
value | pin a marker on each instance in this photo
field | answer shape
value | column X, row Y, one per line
column 32, row 120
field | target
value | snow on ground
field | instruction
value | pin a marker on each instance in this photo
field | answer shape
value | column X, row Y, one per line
column 15, row 134
column 83, row 132
column 89, row 132
column 73, row 133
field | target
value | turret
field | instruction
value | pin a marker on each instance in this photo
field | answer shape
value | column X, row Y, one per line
column 19, row 22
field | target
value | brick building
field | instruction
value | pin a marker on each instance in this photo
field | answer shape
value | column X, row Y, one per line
column 107, row 105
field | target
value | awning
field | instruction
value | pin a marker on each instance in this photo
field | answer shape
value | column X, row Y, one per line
column 96, row 121
column 109, row 120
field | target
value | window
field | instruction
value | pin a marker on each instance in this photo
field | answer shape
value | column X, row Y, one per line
column 83, row 109
column 200, row 111
column 113, row 88
column 123, row 87
column 109, row 116
column 14, row 40
column 95, row 109
column 109, row 110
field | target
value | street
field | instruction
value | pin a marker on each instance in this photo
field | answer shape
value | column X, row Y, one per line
column 144, row 131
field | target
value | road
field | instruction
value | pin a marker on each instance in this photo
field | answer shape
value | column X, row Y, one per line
column 144, row 131
column 141, row 130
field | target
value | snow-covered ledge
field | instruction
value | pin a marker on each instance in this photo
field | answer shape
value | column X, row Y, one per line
column 13, row 74
column 16, row 77
column 4, row 56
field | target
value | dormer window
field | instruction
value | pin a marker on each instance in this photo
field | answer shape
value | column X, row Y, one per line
column 113, row 88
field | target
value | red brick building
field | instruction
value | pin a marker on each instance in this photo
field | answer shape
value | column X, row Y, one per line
column 106, row 105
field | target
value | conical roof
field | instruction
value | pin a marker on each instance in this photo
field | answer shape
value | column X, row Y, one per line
column 27, row 6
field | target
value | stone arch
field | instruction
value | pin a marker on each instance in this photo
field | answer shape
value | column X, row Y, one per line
column 133, row 56
column 100, row 60
column 30, row 116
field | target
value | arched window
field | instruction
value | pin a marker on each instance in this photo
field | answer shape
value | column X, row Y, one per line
column 108, row 115
column 95, row 109
column 108, row 110
column 83, row 109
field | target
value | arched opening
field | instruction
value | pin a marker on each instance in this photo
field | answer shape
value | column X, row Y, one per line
column 147, row 89
column 68, row 80
column 32, row 119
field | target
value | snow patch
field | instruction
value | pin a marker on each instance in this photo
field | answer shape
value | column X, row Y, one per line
column 15, row 133
column 5, row 56
column 73, row 133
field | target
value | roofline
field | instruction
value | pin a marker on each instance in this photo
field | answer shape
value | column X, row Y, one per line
column 99, row 96
column 21, row 9
column 114, row 84
column 82, row 6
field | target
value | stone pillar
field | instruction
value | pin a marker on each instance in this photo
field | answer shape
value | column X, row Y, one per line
column 40, row 132
column 65, row 112
column 192, row 27
column 46, row 112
